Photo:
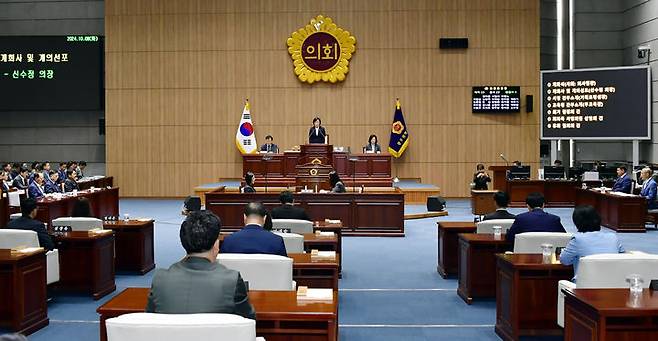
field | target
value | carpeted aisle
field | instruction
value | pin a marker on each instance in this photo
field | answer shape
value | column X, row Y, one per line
column 390, row 289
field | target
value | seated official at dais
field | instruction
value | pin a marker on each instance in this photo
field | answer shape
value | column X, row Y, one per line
column 372, row 146
column 648, row 188
column 623, row 182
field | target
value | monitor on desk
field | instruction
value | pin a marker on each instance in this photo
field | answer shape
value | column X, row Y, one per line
column 553, row 172
column 520, row 172
column 607, row 173
column 575, row 172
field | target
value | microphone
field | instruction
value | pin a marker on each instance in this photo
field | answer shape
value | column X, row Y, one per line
column 502, row 156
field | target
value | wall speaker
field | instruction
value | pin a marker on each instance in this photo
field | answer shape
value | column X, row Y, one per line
column 529, row 105
column 101, row 126
column 453, row 43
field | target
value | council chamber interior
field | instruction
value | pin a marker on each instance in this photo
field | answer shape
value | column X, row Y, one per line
column 330, row 170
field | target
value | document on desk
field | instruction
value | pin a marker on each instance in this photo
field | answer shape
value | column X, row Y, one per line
column 316, row 294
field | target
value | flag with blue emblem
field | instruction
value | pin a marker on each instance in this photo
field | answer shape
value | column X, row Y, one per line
column 399, row 133
column 245, row 139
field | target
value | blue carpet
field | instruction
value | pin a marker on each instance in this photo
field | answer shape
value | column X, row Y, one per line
column 410, row 301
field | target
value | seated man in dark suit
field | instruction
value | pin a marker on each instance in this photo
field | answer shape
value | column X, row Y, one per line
column 52, row 183
column 269, row 145
column 27, row 222
column 535, row 220
column 20, row 180
column 36, row 190
column 623, row 182
column 502, row 200
column 253, row 238
column 198, row 283
column 287, row 210
column 71, row 183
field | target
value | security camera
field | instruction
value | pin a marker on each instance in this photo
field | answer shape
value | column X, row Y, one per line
column 643, row 51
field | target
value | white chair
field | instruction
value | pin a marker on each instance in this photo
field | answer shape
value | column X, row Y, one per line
column 530, row 242
column 295, row 225
column 14, row 199
column 294, row 242
column 608, row 271
column 176, row 327
column 263, row 272
column 10, row 238
column 486, row 227
column 79, row 223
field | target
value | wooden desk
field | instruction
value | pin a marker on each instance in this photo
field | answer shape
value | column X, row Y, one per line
column 622, row 214
column 86, row 262
column 482, row 202
column 448, row 245
column 4, row 210
column 526, row 295
column 610, row 314
column 104, row 202
column 499, row 177
column 23, row 306
column 372, row 170
column 314, row 273
column 104, row 182
column 279, row 316
column 363, row 214
column 557, row 193
column 477, row 265
column 337, row 229
column 133, row 242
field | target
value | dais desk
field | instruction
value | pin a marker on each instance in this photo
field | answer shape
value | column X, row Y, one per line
column 103, row 201
column 362, row 214
column 620, row 213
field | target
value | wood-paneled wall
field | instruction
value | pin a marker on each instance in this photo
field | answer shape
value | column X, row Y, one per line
column 178, row 71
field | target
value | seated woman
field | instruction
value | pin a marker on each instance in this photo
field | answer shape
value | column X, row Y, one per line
column 589, row 240
column 337, row 186
column 249, row 180
column 81, row 208
column 372, row 146
column 480, row 178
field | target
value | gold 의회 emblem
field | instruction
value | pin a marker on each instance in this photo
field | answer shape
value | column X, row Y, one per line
column 321, row 51
column 313, row 172
column 397, row 127
column 316, row 161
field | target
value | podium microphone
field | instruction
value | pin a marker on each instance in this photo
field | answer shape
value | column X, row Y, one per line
column 503, row 157
column 353, row 160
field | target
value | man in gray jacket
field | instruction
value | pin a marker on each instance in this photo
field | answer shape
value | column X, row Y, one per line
column 198, row 284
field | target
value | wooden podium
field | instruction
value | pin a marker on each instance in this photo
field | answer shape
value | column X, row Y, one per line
column 312, row 175
column 316, row 154
column 499, row 177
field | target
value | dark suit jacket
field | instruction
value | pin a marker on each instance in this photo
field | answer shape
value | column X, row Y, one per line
column 316, row 138
column 24, row 223
column 248, row 189
column 62, row 176
column 52, row 187
column 35, row 192
column 368, row 148
column 19, row 183
column 534, row 221
column 480, row 181
column 70, row 185
column 273, row 148
column 339, row 188
column 499, row 214
column 286, row 211
column 5, row 186
column 254, row 239
column 195, row 285
column 623, row 184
